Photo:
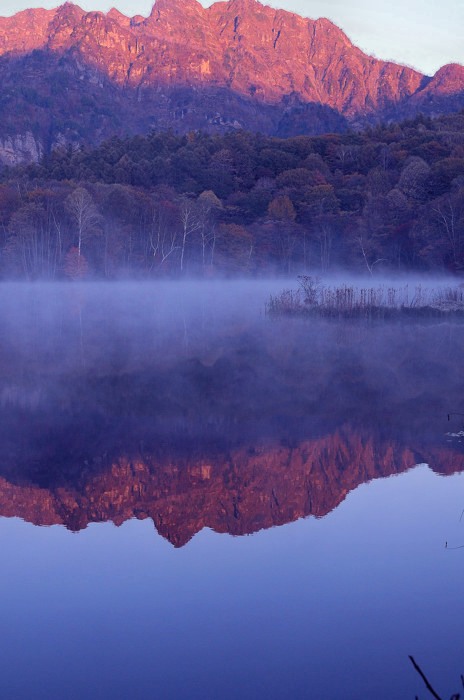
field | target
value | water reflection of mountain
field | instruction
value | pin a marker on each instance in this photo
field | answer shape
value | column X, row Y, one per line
column 231, row 489
column 199, row 421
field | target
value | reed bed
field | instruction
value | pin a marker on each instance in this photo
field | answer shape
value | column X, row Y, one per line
column 314, row 298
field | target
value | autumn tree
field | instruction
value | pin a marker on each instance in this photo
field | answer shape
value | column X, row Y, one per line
column 235, row 247
column 414, row 178
column 281, row 209
column 75, row 264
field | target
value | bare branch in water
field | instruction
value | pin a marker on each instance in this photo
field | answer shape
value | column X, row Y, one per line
column 424, row 678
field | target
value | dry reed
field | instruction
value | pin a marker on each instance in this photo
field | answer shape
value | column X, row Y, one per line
column 383, row 302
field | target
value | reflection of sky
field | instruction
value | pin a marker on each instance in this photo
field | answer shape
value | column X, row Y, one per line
column 422, row 33
column 324, row 608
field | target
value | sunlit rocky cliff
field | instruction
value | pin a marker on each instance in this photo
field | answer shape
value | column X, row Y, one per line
column 74, row 76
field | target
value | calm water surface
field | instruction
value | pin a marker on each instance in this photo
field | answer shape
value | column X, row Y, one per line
column 199, row 502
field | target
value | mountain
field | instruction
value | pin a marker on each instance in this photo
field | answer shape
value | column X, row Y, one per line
column 70, row 76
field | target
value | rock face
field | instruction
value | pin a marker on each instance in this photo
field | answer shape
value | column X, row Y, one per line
column 443, row 93
column 70, row 75
column 20, row 148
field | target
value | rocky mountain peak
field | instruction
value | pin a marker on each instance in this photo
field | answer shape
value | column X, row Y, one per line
column 247, row 6
column 69, row 11
column 177, row 7
column 229, row 66
column 450, row 77
column 119, row 17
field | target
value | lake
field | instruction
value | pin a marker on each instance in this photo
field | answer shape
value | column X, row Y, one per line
column 200, row 501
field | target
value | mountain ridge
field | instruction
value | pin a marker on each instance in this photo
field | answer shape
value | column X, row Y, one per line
column 243, row 65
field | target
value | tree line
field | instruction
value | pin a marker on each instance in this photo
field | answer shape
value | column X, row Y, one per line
column 390, row 197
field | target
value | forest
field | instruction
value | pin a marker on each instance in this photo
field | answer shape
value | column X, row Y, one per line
column 389, row 198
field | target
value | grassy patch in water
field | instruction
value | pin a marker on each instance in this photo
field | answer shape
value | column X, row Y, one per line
column 313, row 298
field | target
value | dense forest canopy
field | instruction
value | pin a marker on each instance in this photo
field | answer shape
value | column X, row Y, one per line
column 390, row 197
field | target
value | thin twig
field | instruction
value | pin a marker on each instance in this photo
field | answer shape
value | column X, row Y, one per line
column 424, row 678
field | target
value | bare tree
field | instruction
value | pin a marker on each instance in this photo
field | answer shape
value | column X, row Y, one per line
column 452, row 224
column 34, row 241
column 84, row 213
column 208, row 204
column 324, row 234
column 191, row 223
column 370, row 264
column 287, row 237
column 163, row 234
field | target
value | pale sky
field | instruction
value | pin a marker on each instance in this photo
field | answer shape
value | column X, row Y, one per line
column 424, row 34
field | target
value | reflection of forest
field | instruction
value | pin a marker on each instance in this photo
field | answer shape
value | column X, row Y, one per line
column 241, row 427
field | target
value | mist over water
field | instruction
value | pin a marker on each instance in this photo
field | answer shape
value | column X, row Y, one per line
column 201, row 347
column 94, row 373
column 182, row 404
